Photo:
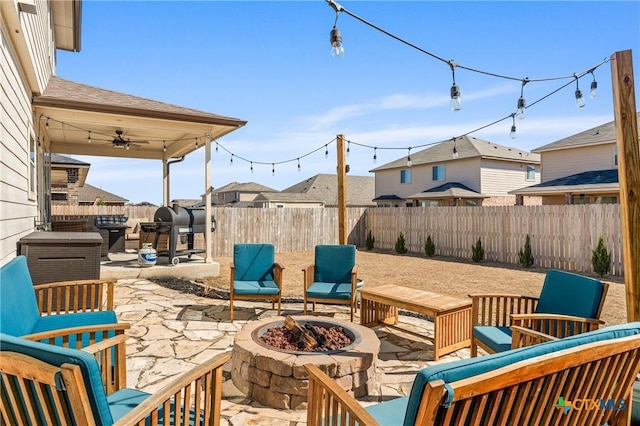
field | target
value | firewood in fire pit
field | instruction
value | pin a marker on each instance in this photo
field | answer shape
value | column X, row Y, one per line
column 304, row 337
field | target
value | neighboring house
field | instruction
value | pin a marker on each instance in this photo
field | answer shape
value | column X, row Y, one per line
column 89, row 195
column 464, row 171
column 238, row 194
column 68, row 176
column 324, row 188
column 286, row 199
column 185, row 202
column 580, row 169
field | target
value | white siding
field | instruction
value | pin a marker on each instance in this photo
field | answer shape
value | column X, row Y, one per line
column 500, row 177
column 570, row 161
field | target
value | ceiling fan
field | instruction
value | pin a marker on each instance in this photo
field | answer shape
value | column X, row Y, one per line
column 119, row 142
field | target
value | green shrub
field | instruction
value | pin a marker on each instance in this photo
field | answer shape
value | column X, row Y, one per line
column 429, row 247
column 525, row 256
column 477, row 252
column 400, row 247
column 601, row 259
column 370, row 240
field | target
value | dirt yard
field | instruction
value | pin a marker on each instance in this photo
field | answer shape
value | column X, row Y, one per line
column 441, row 275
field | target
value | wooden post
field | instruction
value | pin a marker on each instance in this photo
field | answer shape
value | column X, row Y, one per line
column 208, row 237
column 342, row 191
column 624, row 107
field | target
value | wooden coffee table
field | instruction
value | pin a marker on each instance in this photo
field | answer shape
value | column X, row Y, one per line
column 451, row 315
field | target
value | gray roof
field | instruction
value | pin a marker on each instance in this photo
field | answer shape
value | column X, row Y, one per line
column 447, row 190
column 388, row 197
column 605, row 133
column 592, row 180
column 324, row 187
column 88, row 194
column 287, row 197
column 58, row 159
column 244, row 187
column 466, row 147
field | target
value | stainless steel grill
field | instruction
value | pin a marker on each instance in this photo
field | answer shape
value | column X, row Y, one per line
column 180, row 224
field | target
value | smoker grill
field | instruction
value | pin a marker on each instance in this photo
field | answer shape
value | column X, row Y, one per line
column 180, row 224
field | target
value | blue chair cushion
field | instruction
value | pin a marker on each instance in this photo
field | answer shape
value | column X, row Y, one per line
column 57, row 356
column 124, row 400
column 57, row 322
column 389, row 413
column 565, row 293
column 255, row 287
column 333, row 263
column 458, row 370
column 329, row 291
column 498, row 339
column 18, row 306
column 253, row 262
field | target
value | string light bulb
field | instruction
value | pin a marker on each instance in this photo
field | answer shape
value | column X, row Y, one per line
column 326, row 152
column 231, row 160
column 299, row 168
column 456, row 101
column 335, row 36
column 252, row 167
column 164, row 146
column 512, row 134
column 522, row 103
column 375, row 155
column 273, row 169
column 455, row 154
column 196, row 143
column 89, row 137
column 594, row 86
column 348, row 148
column 409, row 162
column 216, row 147
column 579, row 98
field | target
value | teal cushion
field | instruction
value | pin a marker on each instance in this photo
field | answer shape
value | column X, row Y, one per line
column 255, row 287
column 498, row 339
column 57, row 322
column 458, row 370
column 124, row 400
column 253, row 262
column 57, row 356
column 565, row 293
column 329, row 291
column 389, row 413
column 333, row 263
column 18, row 307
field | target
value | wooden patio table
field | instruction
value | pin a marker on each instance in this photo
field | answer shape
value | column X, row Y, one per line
column 451, row 315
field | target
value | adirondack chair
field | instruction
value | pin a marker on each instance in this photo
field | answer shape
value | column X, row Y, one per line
column 255, row 275
column 44, row 384
column 27, row 311
column 584, row 379
column 332, row 278
column 568, row 304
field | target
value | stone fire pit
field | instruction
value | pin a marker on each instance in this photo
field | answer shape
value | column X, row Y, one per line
column 278, row 379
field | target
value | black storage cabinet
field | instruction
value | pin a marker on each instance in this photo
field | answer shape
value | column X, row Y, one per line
column 62, row 256
column 112, row 229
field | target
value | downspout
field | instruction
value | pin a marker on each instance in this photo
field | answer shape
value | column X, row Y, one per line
column 166, row 181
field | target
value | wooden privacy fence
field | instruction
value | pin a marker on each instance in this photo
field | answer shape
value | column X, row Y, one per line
column 562, row 236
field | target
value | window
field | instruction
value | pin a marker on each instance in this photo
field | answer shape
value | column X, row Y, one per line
column 405, row 176
column 615, row 155
column 437, row 172
column 530, row 171
column 58, row 196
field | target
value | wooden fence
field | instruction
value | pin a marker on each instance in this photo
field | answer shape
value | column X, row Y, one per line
column 562, row 237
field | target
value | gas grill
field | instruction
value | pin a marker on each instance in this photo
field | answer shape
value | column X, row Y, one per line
column 179, row 224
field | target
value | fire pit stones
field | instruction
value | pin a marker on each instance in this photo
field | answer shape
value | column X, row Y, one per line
column 278, row 379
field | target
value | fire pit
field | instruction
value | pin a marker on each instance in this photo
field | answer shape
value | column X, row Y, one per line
column 277, row 378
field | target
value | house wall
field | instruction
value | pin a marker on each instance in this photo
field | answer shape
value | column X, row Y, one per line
column 570, row 161
column 27, row 61
column 286, row 204
column 500, row 177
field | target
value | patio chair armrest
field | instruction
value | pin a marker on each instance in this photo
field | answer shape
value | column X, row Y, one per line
column 94, row 333
column 111, row 356
column 277, row 274
column 88, row 295
column 327, row 400
column 556, row 325
column 308, row 274
column 521, row 337
column 496, row 309
column 232, row 274
column 204, row 383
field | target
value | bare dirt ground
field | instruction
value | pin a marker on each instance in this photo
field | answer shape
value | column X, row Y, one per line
column 438, row 274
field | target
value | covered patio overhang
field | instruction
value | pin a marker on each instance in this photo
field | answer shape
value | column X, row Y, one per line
column 77, row 119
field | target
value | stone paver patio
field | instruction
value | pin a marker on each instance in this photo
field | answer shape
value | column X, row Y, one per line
column 172, row 332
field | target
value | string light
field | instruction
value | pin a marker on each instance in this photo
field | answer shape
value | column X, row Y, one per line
column 231, row 160
column 348, row 148
column 579, row 99
column 522, row 104
column 89, row 137
column 409, row 162
column 456, row 101
column 375, row 155
column 335, row 36
column 455, row 150
column 252, row 167
column 594, row 86
column 196, row 142
column 512, row 134
column 164, row 146
column 273, row 169
column 326, row 152
column 216, row 147
column 299, row 164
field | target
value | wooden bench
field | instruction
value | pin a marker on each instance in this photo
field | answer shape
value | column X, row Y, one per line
column 451, row 315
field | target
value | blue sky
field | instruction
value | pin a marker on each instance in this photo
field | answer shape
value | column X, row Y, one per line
column 269, row 62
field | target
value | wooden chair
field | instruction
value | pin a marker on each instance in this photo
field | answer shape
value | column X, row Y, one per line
column 332, row 278
column 255, row 275
column 568, row 304
column 26, row 310
column 45, row 384
column 536, row 385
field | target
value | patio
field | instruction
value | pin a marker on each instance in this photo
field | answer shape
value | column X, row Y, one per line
column 173, row 331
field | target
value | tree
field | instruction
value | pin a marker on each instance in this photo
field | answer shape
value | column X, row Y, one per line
column 400, row 247
column 601, row 259
column 429, row 247
column 525, row 256
column 370, row 240
column 477, row 252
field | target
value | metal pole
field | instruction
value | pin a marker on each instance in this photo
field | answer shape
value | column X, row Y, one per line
column 208, row 235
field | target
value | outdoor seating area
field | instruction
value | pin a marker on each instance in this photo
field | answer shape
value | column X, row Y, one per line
column 136, row 339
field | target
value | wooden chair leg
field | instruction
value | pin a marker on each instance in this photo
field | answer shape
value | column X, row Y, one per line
column 279, row 303
column 231, row 307
column 473, row 348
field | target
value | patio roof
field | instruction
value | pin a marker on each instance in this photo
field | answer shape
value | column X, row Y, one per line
column 67, row 111
column 447, row 190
